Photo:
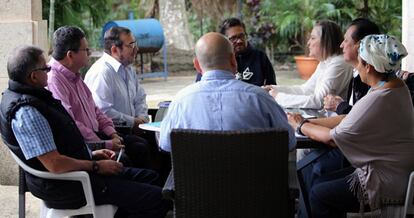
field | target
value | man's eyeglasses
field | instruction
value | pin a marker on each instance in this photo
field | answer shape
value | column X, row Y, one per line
column 88, row 50
column 241, row 36
column 44, row 69
column 132, row 45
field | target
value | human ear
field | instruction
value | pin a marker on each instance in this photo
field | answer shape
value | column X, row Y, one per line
column 114, row 50
column 369, row 68
column 69, row 54
column 197, row 65
column 33, row 78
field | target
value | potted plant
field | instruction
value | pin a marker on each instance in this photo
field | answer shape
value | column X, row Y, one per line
column 297, row 24
column 305, row 65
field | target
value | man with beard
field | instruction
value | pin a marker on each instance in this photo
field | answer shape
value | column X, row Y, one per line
column 219, row 101
column 70, row 55
column 253, row 66
column 114, row 85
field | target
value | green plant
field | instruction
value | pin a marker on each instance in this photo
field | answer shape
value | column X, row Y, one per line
column 385, row 13
column 90, row 15
column 261, row 31
column 196, row 29
column 87, row 14
column 295, row 19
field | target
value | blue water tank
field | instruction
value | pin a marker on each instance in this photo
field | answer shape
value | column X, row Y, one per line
column 148, row 33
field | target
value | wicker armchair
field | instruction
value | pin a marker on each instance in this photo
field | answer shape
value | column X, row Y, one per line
column 230, row 173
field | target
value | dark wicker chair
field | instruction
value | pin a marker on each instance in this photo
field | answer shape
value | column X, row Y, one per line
column 230, row 173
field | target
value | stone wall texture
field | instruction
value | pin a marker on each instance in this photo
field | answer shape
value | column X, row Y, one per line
column 21, row 10
column 20, row 24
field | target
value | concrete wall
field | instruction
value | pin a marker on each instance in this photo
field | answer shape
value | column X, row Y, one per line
column 20, row 23
column 408, row 34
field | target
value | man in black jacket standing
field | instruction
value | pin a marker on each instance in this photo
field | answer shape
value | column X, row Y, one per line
column 253, row 65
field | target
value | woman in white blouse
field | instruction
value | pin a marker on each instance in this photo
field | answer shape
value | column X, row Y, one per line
column 332, row 75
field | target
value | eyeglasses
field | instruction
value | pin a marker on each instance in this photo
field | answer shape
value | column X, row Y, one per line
column 132, row 45
column 44, row 69
column 88, row 50
column 241, row 36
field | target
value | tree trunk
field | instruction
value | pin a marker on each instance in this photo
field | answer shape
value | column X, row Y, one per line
column 154, row 11
column 51, row 21
column 173, row 18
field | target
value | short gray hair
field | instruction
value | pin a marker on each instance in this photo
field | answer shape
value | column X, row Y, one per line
column 22, row 61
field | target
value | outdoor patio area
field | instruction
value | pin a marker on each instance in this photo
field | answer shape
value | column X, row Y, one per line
column 157, row 90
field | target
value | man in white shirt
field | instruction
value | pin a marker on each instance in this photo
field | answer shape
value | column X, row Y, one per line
column 116, row 91
column 114, row 84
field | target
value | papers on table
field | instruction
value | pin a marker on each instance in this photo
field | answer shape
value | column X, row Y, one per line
column 154, row 126
column 311, row 113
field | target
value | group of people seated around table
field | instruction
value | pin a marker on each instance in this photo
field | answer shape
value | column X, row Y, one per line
column 55, row 121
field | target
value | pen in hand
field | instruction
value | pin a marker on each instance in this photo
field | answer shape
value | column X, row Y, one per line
column 119, row 155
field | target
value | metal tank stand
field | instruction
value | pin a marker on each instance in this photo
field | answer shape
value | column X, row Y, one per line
column 163, row 73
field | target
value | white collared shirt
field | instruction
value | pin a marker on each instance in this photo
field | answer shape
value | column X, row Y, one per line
column 331, row 74
column 351, row 99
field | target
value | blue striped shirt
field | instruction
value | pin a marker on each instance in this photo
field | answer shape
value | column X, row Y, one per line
column 32, row 132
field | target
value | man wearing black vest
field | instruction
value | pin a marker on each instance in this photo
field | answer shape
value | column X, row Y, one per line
column 37, row 128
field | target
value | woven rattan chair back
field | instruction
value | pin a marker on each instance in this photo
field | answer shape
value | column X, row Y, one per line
column 230, row 173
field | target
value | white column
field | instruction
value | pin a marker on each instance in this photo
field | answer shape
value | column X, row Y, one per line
column 20, row 23
column 408, row 34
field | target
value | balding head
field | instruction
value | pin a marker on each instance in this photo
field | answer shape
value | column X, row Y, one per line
column 214, row 52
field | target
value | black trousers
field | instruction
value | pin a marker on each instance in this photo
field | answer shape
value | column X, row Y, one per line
column 331, row 196
column 133, row 191
column 137, row 150
column 328, row 163
column 160, row 161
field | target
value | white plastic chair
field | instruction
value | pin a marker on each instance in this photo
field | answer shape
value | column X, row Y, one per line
column 395, row 210
column 101, row 211
column 409, row 198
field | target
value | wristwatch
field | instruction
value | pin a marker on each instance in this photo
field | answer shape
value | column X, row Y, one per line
column 95, row 167
column 298, row 129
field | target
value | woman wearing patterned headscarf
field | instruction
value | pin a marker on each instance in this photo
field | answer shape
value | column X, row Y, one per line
column 377, row 137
